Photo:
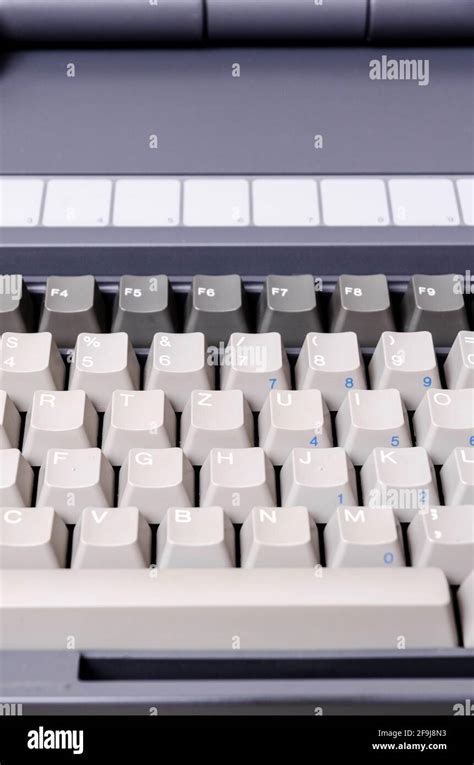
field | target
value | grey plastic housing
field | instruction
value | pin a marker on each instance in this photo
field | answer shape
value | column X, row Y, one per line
column 104, row 21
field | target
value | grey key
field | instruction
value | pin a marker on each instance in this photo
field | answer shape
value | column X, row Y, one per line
column 435, row 304
column 29, row 362
column 16, row 479
column 459, row 365
column 72, row 304
column 213, row 419
column 71, row 480
column 370, row 418
column 237, row 480
column 111, row 538
column 363, row 536
column 457, row 477
column 216, row 306
column 279, row 537
column 32, row 538
column 361, row 304
column 403, row 479
column 443, row 537
column 59, row 420
column 290, row 419
column 102, row 364
column 319, row 479
column 137, row 419
column 443, row 421
column 466, row 610
column 143, row 306
column 10, row 422
column 300, row 609
column 195, row 538
column 154, row 480
column 288, row 305
column 16, row 306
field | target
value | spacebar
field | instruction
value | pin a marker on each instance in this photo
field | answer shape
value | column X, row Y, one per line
column 224, row 609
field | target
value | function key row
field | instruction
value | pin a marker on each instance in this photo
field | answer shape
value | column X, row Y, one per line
column 220, row 305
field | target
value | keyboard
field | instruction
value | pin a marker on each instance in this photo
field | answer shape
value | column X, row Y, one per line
column 217, row 462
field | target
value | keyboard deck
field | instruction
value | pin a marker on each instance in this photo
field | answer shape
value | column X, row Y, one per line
column 217, row 463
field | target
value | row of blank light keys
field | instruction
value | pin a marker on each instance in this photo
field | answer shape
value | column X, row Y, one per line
column 227, row 202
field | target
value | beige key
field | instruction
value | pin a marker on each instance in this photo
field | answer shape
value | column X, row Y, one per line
column 405, row 361
column 16, row 479
column 111, row 538
column 466, row 610
column 371, row 418
column 195, row 538
column 459, row 365
column 291, row 419
column 102, row 364
column 457, row 477
column 71, row 480
column 279, row 537
column 154, row 480
column 59, row 420
column 318, row 479
column 443, row 421
column 363, row 536
column 443, row 537
column 403, row 479
column 10, row 423
column 32, row 538
column 179, row 364
column 332, row 363
column 255, row 364
column 237, row 480
column 29, row 362
column 140, row 419
column 215, row 419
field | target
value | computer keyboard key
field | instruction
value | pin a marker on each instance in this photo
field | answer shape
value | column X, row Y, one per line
column 466, row 610
column 10, row 422
column 29, row 362
column 405, row 361
column 195, row 538
column 32, row 538
column 237, row 480
column 111, row 538
column 16, row 305
column 279, row 537
column 371, row 418
column 436, row 304
column 179, row 364
column 142, row 419
column 215, row 419
column 216, row 306
column 332, row 363
column 361, row 304
column 443, row 421
column 255, row 364
column 298, row 609
column 457, row 477
column 154, row 480
column 318, row 479
column 59, row 420
column 16, row 479
column 291, row 419
column 403, row 479
column 288, row 305
column 443, row 537
column 363, row 536
column 71, row 480
column 459, row 364
column 143, row 306
column 102, row 364
column 71, row 304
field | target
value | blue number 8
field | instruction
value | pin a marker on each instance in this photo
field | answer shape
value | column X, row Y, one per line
column 349, row 382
